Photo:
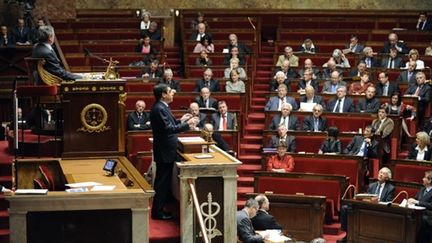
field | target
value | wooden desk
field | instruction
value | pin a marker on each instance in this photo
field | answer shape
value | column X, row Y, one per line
column 369, row 222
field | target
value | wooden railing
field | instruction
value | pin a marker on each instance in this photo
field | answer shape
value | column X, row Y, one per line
column 198, row 211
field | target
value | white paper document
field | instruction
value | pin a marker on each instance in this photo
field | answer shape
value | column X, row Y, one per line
column 306, row 106
column 83, row 184
column 102, row 188
column 191, row 139
column 31, row 192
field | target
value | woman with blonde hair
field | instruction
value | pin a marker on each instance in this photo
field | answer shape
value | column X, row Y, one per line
column 414, row 56
column 234, row 65
column 421, row 150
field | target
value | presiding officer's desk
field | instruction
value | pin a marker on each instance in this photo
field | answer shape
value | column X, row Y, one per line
column 120, row 215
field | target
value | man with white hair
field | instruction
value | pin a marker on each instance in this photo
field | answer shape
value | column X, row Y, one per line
column 139, row 119
column 233, row 42
column 288, row 55
column 341, row 103
column 168, row 80
column 207, row 81
column 275, row 102
column 245, row 230
column 263, row 220
column 285, row 118
column 199, row 33
column 368, row 57
column 394, row 42
column 278, row 79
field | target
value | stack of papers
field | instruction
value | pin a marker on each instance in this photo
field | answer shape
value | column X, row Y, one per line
column 88, row 186
column 31, row 192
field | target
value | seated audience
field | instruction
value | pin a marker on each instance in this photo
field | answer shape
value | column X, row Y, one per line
column 383, row 127
column 394, row 42
column 234, row 53
column 263, row 220
column 199, row 33
column 233, row 42
column 339, row 58
column 139, row 119
column 223, row 120
column 280, row 162
column 308, row 47
column 278, row 79
column 364, row 146
column 285, row 118
column 217, row 137
column 359, row 88
column 195, row 112
column 306, row 81
column 205, row 44
column 335, row 82
column 207, row 81
column 153, row 32
column 422, row 91
column 288, row 55
column 421, row 150
column 316, row 122
column 354, row 46
column 370, row 104
column 308, row 64
column 168, row 80
column 368, row 57
column 392, row 61
column 283, row 137
column 332, row 145
column 153, row 71
column 275, row 102
column 408, row 76
column 414, row 56
column 21, row 33
column 245, row 230
column 205, row 101
column 357, row 72
column 341, row 103
column 310, row 98
column 6, row 39
column 428, row 50
column 423, row 23
column 385, row 87
column 235, row 84
column 423, row 198
column 234, row 65
column 199, row 19
column 203, row 60
column 149, row 52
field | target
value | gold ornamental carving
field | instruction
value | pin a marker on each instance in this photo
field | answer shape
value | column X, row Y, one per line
column 213, row 209
column 93, row 119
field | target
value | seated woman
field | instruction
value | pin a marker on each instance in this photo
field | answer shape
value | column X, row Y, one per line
column 428, row 50
column 234, row 65
column 414, row 56
column 144, row 46
column 308, row 47
column 205, row 44
column 421, row 150
column 339, row 58
column 280, row 162
column 234, row 84
column 359, row 88
column 396, row 107
column 331, row 145
column 203, row 60
column 234, row 52
column 278, row 79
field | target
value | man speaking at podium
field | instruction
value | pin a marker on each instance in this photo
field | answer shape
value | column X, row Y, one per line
column 165, row 129
column 44, row 50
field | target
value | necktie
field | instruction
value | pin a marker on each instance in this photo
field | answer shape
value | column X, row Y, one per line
column 316, row 124
column 224, row 121
column 207, row 84
column 377, row 189
column 417, row 91
column 337, row 107
column 385, row 91
column 390, row 65
column 206, row 103
column 283, row 121
column 365, row 149
column 409, row 76
column 422, row 24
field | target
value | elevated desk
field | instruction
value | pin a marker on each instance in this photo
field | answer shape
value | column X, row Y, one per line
column 371, row 222
column 116, row 216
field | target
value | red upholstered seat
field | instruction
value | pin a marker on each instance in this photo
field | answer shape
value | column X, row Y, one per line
column 409, row 173
column 36, row 90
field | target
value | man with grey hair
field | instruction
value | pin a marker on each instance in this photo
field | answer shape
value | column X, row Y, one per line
column 331, row 86
column 44, row 50
column 153, row 32
column 285, row 118
column 368, row 57
column 245, row 230
column 288, row 55
column 263, row 220
column 233, row 42
column 168, row 80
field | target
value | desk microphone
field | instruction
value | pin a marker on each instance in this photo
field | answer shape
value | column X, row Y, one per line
column 87, row 52
column 400, row 193
column 346, row 191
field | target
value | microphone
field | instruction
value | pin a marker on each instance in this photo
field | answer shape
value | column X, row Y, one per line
column 394, row 199
column 87, row 52
column 346, row 190
column 250, row 22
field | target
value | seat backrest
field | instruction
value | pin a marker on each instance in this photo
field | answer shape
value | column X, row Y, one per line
column 37, row 73
column 32, row 71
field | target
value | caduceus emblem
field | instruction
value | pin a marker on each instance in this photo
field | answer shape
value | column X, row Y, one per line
column 213, row 209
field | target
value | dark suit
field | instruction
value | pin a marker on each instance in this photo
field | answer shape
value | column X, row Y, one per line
column 331, row 146
column 403, row 78
column 368, row 106
column 220, row 142
column 274, row 85
column 397, row 62
column 156, row 74
column 134, row 119
column 52, row 63
column 354, row 73
column 356, row 144
column 316, row 99
column 174, row 84
column 293, row 123
column 309, row 124
column 230, row 120
column 245, row 229
column 413, row 153
column 424, row 97
column 165, row 129
column 401, row 44
column 289, row 74
column 7, row 41
column 425, row 200
column 348, row 105
column 243, row 49
column 391, row 89
column 357, row 48
column 212, row 103
column 316, row 72
column 328, row 86
column 264, row 221
column 373, row 62
column 302, row 84
column 273, row 103
column 425, row 26
column 155, row 35
column 428, row 127
column 326, row 73
column 213, row 86
column 202, row 120
column 195, row 35
column 20, row 36
column 290, row 143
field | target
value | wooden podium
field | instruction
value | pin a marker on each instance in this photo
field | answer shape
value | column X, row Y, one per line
column 371, row 222
column 215, row 180
column 93, row 118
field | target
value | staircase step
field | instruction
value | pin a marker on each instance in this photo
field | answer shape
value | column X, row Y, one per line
column 250, row 146
column 332, row 229
column 242, row 190
column 249, row 167
column 257, row 107
column 252, row 139
column 256, row 115
column 248, row 158
column 245, row 181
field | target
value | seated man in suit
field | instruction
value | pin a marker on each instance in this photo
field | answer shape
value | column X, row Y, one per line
column 283, row 137
column 6, row 39
column 217, row 137
column 44, row 50
column 422, row 91
column 139, row 120
column 285, row 118
column 152, row 72
column 423, row 23
column 306, row 81
column 288, row 55
column 341, row 103
column 263, row 220
column 205, row 101
column 423, row 198
column 21, row 33
column 368, row 57
column 357, row 72
column 168, row 80
column 195, row 112
column 408, row 76
column 364, row 146
column 428, row 127
column 199, row 33
column 223, row 120
column 393, row 61
column 331, row 86
column 383, row 126
column 245, row 230
column 382, row 188
column 385, row 87
column 310, row 97
column 354, row 45
column 329, row 68
column 285, row 67
column 153, row 32
column 308, row 64
column 233, row 42
column 207, row 81
column 316, row 122
column 279, row 79
column 370, row 103
column 393, row 42
column 275, row 102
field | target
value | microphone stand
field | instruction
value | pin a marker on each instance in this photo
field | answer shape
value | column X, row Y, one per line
column 397, row 196
column 346, row 191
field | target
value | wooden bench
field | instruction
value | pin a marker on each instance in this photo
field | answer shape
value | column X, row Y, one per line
column 406, row 170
